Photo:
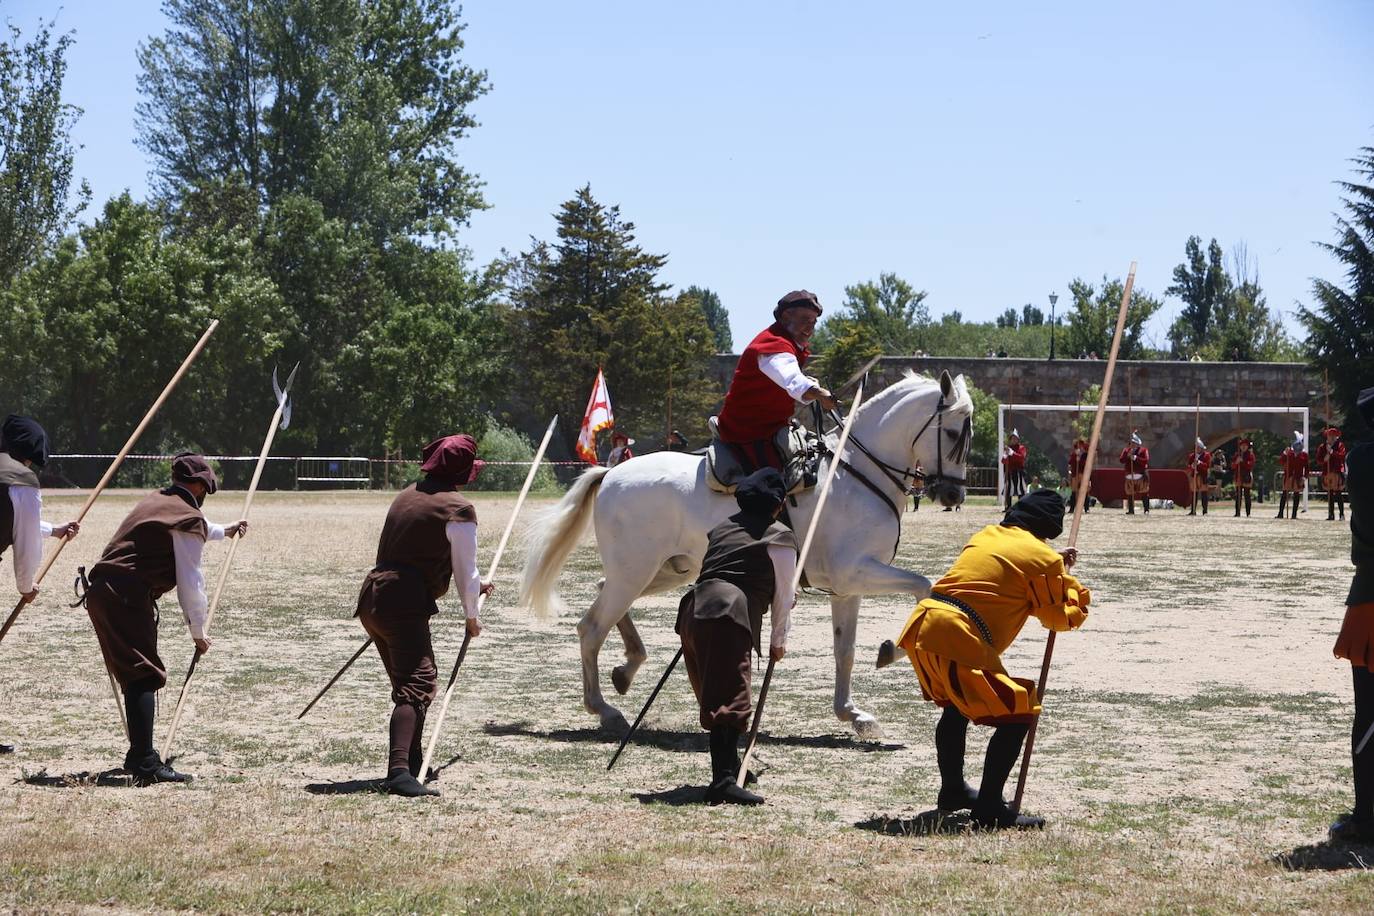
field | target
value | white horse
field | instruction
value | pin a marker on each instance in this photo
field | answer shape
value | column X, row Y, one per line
column 653, row 513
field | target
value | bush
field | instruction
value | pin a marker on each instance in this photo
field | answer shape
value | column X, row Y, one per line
column 501, row 443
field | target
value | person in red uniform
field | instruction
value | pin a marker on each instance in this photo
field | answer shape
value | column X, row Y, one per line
column 1243, row 465
column 1293, row 461
column 1331, row 465
column 768, row 383
column 1135, row 459
column 1199, row 463
column 620, row 449
column 1014, row 462
column 1078, row 460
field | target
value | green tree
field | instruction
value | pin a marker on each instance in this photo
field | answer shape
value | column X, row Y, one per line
column 1091, row 319
column 1008, row 319
column 1340, row 324
column 889, row 316
column 717, row 318
column 1202, row 284
column 593, row 299
column 36, row 151
column 127, row 302
column 326, row 131
column 983, row 451
column 1032, row 315
column 357, row 106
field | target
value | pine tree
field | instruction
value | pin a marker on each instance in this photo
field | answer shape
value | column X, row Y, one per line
column 1341, row 326
column 592, row 299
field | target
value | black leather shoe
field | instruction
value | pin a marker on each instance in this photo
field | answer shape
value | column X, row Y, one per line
column 161, row 772
column 958, row 799
column 724, row 791
column 1000, row 817
column 404, row 784
column 1351, row 829
column 6, row 748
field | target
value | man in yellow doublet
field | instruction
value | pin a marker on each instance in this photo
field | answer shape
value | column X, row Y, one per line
column 955, row 638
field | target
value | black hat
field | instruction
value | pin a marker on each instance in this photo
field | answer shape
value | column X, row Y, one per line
column 795, row 298
column 1365, row 401
column 188, row 467
column 761, row 492
column 1041, row 512
column 23, row 438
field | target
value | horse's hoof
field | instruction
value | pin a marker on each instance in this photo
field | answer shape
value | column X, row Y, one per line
column 887, row 654
column 867, row 727
column 620, row 678
column 614, row 723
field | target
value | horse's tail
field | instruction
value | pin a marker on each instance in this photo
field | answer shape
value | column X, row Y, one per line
column 558, row 531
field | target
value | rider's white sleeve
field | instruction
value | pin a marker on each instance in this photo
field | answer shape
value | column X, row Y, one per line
column 783, row 369
column 784, row 571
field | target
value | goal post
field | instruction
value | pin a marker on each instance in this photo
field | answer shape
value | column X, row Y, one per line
column 1003, row 409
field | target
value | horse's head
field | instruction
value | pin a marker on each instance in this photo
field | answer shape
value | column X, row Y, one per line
column 926, row 426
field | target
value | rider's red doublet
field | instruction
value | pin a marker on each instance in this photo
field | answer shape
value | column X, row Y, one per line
column 755, row 406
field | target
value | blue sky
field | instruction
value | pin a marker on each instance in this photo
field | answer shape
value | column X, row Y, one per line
column 988, row 153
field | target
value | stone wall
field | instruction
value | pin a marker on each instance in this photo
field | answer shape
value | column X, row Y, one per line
column 1169, row 436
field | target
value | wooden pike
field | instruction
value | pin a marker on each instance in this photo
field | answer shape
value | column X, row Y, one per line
column 1080, row 500
column 100, row 488
column 482, row 599
column 281, row 419
column 796, row 578
column 510, row 524
column 114, row 466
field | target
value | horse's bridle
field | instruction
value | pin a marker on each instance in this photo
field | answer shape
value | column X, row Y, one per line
column 898, row 476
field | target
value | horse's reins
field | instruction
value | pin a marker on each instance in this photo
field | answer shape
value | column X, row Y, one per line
column 898, row 476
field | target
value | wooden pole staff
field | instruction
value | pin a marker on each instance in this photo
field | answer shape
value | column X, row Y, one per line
column 281, row 418
column 801, row 565
column 482, row 599
column 510, row 524
column 1197, row 450
column 647, row 703
column 114, row 466
column 1080, row 499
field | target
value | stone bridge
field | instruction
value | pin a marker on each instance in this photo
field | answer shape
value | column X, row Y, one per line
column 1169, row 436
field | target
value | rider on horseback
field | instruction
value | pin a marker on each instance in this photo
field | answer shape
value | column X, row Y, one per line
column 768, row 383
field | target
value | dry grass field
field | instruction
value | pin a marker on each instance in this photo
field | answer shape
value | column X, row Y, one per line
column 1194, row 749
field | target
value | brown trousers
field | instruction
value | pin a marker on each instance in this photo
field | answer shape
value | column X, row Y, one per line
column 403, row 642
column 128, row 637
column 716, row 653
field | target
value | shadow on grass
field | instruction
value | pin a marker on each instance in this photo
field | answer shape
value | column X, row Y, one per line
column 116, row 778
column 361, row 786
column 691, row 741
column 1325, row 857
column 927, row 823
column 347, row 787
column 678, row 798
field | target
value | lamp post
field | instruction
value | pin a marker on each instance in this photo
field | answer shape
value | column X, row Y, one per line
column 1054, row 297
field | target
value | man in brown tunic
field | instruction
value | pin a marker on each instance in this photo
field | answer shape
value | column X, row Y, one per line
column 23, row 447
column 430, row 536
column 155, row 549
column 750, row 563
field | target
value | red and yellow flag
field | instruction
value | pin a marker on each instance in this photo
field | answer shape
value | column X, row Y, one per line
column 597, row 418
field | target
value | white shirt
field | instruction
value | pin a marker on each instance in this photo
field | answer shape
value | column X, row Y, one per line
column 462, row 541
column 784, row 599
column 27, row 533
column 785, row 371
column 187, row 548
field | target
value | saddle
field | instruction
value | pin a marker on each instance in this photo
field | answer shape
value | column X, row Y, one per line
column 800, row 450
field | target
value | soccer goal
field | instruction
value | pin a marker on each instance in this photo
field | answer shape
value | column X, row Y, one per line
column 343, row 473
column 1003, row 409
